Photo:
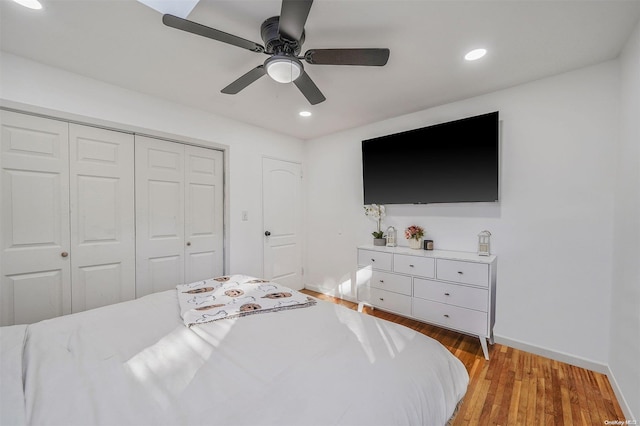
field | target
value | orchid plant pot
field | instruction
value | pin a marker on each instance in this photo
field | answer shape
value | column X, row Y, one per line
column 379, row 241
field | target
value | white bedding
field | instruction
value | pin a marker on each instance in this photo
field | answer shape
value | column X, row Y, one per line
column 12, row 399
column 136, row 363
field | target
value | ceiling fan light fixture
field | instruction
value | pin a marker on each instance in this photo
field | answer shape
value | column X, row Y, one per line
column 283, row 69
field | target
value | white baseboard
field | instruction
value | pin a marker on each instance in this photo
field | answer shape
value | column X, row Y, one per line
column 624, row 405
column 555, row 355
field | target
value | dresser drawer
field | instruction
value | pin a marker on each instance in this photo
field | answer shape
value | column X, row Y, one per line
column 413, row 265
column 467, row 320
column 391, row 282
column 452, row 294
column 375, row 259
column 463, row 272
column 386, row 300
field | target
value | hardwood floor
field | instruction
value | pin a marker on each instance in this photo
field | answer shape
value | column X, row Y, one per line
column 516, row 387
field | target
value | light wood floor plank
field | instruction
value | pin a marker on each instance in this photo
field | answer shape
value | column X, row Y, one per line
column 516, row 387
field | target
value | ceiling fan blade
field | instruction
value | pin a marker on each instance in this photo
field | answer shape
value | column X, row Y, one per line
column 204, row 31
column 245, row 80
column 293, row 16
column 367, row 57
column 309, row 89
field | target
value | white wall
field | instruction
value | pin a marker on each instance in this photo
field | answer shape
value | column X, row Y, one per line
column 552, row 230
column 624, row 348
column 32, row 84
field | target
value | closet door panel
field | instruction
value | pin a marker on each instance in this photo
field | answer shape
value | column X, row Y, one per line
column 160, row 239
column 102, row 217
column 37, row 296
column 34, row 181
column 203, row 213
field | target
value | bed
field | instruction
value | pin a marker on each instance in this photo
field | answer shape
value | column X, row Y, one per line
column 137, row 363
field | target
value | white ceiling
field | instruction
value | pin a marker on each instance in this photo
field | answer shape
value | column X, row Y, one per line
column 123, row 42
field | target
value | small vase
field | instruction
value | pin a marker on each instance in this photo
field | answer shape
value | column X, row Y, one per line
column 415, row 244
column 379, row 241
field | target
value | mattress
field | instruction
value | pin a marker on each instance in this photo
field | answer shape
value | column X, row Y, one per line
column 135, row 363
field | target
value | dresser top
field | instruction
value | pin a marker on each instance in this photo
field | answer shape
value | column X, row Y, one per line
column 436, row 254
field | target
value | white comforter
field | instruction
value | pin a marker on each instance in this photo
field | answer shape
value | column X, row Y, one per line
column 135, row 363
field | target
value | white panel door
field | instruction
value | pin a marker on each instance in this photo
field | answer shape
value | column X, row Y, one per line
column 282, row 215
column 203, row 213
column 102, row 217
column 34, row 219
column 160, row 242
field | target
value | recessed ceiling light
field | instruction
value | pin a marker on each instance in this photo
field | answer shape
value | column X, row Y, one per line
column 475, row 54
column 305, row 114
column 31, row 4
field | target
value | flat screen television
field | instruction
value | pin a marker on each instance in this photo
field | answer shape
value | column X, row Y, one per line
column 454, row 162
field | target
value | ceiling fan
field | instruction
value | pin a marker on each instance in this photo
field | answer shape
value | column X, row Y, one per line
column 283, row 37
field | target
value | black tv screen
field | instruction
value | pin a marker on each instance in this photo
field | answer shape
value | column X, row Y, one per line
column 446, row 163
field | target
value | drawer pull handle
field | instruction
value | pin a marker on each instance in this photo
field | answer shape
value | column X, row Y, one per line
column 382, row 281
column 382, row 299
column 460, row 272
column 446, row 315
column 373, row 260
column 447, row 294
column 411, row 266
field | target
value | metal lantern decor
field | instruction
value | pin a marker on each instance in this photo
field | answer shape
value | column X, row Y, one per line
column 484, row 245
column 392, row 237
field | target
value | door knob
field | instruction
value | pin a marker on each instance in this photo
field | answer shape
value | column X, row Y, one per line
column 64, row 254
column 267, row 233
column 188, row 243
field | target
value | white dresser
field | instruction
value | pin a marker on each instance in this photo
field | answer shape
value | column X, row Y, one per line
column 451, row 289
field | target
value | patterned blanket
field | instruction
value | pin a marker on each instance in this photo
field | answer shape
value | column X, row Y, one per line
column 235, row 296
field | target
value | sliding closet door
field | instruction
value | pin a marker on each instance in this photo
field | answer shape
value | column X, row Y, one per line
column 203, row 213
column 34, row 158
column 102, row 217
column 159, row 215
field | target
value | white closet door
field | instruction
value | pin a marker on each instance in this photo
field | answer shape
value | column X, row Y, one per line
column 203, row 213
column 160, row 242
column 35, row 219
column 102, row 217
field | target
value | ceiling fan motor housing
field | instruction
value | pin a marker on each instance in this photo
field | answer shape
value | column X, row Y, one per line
column 274, row 42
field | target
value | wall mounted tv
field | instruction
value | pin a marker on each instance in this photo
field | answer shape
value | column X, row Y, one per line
column 454, row 162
